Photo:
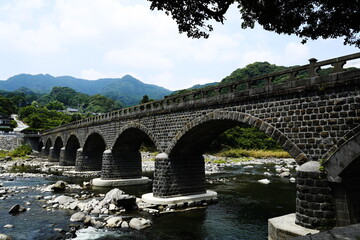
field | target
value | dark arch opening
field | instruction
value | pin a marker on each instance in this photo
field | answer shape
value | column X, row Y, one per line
column 197, row 140
column 40, row 146
column 71, row 148
column 347, row 195
column 125, row 162
column 48, row 145
column 93, row 150
column 343, row 171
column 57, row 147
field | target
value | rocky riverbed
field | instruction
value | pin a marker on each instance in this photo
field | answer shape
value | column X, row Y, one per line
column 114, row 209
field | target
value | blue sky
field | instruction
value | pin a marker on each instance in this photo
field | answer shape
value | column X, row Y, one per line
column 95, row 39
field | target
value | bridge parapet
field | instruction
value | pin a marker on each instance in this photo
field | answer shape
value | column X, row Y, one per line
column 266, row 84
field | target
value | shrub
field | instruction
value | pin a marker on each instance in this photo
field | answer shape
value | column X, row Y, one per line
column 21, row 151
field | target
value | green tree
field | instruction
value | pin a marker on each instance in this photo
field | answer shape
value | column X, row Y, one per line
column 55, row 105
column 7, row 107
column 101, row 104
column 146, row 99
column 306, row 19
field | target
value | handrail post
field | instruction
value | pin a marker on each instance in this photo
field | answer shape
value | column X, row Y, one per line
column 312, row 68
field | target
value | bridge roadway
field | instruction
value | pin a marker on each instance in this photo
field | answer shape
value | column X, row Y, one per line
column 315, row 118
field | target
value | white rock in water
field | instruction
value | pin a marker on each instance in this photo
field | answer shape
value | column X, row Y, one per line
column 292, row 180
column 264, row 181
column 9, row 226
column 114, row 222
column 285, row 174
column 63, row 200
column 5, row 237
column 267, row 174
column 139, row 223
column 78, row 217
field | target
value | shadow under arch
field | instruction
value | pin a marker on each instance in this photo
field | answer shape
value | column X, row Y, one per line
column 90, row 157
column 40, row 146
column 123, row 161
column 48, row 145
column 55, row 155
column 71, row 147
column 343, row 171
column 141, row 128
column 200, row 132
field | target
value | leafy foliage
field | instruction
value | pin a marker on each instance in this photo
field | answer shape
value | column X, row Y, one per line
column 7, row 107
column 244, row 138
column 306, row 19
column 146, row 99
column 42, row 118
column 21, row 151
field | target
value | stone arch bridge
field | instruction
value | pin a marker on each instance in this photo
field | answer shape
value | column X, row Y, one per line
column 312, row 118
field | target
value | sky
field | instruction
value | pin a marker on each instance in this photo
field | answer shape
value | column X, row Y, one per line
column 94, row 39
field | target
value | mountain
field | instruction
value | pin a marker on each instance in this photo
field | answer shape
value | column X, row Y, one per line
column 127, row 89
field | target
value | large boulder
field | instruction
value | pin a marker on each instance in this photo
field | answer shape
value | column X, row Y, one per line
column 78, row 217
column 114, row 222
column 59, row 186
column 5, row 237
column 119, row 199
column 139, row 223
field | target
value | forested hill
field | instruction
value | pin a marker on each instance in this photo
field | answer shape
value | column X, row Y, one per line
column 128, row 90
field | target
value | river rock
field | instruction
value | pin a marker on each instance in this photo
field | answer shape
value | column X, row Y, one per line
column 9, row 226
column 285, row 174
column 124, row 224
column 114, row 222
column 292, row 180
column 97, row 224
column 78, row 217
column 59, row 186
column 264, row 181
column 139, row 223
column 119, row 199
column 16, row 209
column 63, row 200
column 5, row 237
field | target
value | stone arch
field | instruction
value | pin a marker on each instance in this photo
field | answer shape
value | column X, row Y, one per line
column 234, row 118
column 343, row 154
column 343, row 171
column 70, row 149
column 97, row 131
column 142, row 128
column 123, row 160
column 91, row 154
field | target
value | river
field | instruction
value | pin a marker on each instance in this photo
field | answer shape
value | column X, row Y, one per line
column 242, row 212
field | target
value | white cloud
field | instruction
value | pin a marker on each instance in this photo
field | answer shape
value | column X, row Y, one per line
column 296, row 53
column 137, row 58
column 100, row 38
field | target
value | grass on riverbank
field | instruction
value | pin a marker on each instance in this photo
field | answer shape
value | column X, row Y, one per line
column 20, row 151
column 239, row 153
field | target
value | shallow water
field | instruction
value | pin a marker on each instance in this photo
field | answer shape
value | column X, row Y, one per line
column 242, row 212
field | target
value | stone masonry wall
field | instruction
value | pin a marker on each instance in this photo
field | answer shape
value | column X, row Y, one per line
column 10, row 142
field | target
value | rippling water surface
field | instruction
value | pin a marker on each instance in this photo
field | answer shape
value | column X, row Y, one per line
column 242, row 212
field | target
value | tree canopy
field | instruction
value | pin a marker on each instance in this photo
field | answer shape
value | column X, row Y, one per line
column 308, row 19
